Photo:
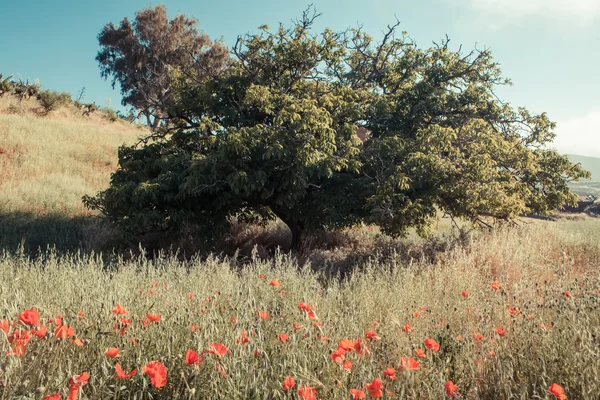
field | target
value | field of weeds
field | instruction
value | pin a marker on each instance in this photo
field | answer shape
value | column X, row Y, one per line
column 512, row 314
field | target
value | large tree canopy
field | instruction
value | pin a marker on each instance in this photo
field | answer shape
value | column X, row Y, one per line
column 274, row 134
column 146, row 56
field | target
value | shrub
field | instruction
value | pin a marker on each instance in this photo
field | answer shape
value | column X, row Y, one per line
column 51, row 100
column 6, row 86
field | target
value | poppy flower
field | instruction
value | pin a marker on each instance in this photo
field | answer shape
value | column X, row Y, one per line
column 431, row 344
column 500, row 331
column 274, row 283
column 5, row 326
column 119, row 310
column 64, row 331
column 191, row 358
column 41, row 333
column 77, row 342
column 288, row 383
column 478, row 337
column 297, row 327
column 282, row 337
column 450, row 388
column 338, row 356
column 112, row 352
column 495, row 285
column 217, row 349
column 360, row 346
column 512, row 310
column 52, row 397
column 157, row 373
column 409, row 363
column 374, row 388
column 347, row 365
column 371, row 334
column 465, row 294
column 567, row 294
column 420, row 353
column 153, row 317
column 390, row 373
column 75, row 383
column 120, row 374
column 307, row 393
column 261, row 276
column 407, row 328
column 30, row 317
column 263, row 314
column 357, row 394
column 243, row 339
column 557, row 391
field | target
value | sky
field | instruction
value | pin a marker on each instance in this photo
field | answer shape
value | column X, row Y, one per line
column 550, row 49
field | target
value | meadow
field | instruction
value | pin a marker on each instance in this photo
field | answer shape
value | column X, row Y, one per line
column 510, row 313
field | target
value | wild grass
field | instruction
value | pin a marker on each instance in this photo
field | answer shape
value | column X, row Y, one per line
column 548, row 273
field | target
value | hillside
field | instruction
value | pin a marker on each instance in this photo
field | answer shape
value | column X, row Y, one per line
column 588, row 186
column 47, row 163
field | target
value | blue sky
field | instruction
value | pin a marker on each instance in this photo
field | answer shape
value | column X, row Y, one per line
column 549, row 48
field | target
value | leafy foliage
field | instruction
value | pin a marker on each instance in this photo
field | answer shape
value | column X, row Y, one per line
column 51, row 100
column 146, row 55
column 274, row 135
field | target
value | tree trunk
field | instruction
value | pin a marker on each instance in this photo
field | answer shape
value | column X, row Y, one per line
column 296, row 227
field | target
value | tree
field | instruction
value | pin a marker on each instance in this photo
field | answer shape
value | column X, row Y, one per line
column 146, row 56
column 274, row 135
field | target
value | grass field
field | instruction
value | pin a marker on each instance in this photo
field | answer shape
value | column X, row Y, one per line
column 514, row 311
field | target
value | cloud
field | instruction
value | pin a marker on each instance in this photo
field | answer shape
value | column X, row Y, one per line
column 579, row 135
column 584, row 10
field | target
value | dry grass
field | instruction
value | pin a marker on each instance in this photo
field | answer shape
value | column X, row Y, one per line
column 552, row 339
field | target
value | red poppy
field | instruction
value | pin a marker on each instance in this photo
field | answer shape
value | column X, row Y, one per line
column 5, row 326
column 407, row 328
column 243, row 339
column 75, row 383
column 371, row 334
column 120, row 374
column 297, row 327
column 77, row 342
column 420, row 353
column 30, row 317
column 157, row 373
column 282, row 337
column 465, row 294
column 360, row 346
column 478, row 337
column 500, row 331
column 409, row 363
column 431, row 344
column 119, row 310
column 288, row 383
column 41, row 333
column 52, row 397
column 357, row 394
column 191, row 358
column 274, row 283
column 338, row 356
column 153, row 317
column 495, row 285
column 262, row 314
column 567, row 294
column 557, row 391
column 374, row 388
column 512, row 310
column 217, row 349
column 261, row 276
column 450, row 388
column 307, row 393
column 112, row 352
column 390, row 373
column 347, row 365
column 64, row 331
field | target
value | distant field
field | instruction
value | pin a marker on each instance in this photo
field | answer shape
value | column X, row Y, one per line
column 588, row 186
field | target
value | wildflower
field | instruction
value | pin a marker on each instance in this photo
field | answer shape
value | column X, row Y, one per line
column 500, row 331
column 288, row 383
column 77, row 342
column 307, row 393
column 338, row 356
column 407, row 328
column 557, row 391
column 346, row 345
column 567, row 294
column 120, row 374
column 514, row 311
column 297, row 326
column 41, row 333
column 409, row 363
column 30, row 317
column 157, row 373
column 263, row 315
column 450, row 388
column 261, row 276
column 75, row 383
column 52, row 397
column 217, row 349
column 119, row 310
column 153, row 317
column 191, row 358
column 495, row 285
column 64, row 331
column 112, row 352
column 374, row 388
column 478, row 337
column 274, row 283
column 357, row 394
column 417, row 314
column 465, row 294
column 371, row 334
column 459, row 338
column 233, row 320
column 347, row 365
column 5, row 326
column 282, row 337
column 195, row 328
column 243, row 339
column 420, row 353
column 431, row 344
column 390, row 373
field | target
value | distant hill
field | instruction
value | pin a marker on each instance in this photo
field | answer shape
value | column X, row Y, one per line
column 591, row 186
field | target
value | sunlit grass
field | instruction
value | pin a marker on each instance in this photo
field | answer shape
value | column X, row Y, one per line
column 551, row 336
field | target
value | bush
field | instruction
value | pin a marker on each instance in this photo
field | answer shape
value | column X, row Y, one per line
column 6, row 86
column 51, row 100
column 110, row 114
